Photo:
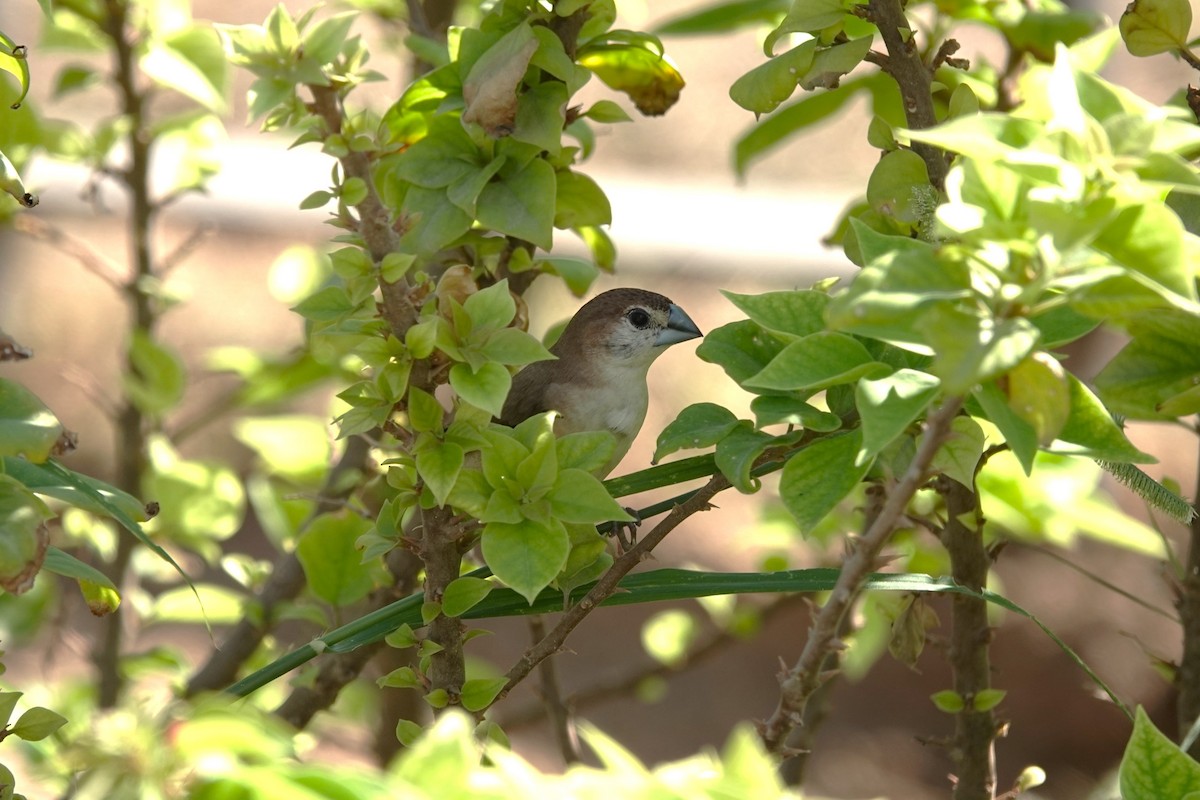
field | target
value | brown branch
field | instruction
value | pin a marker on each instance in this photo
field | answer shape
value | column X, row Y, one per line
column 91, row 260
column 802, row 740
column 1187, row 678
column 133, row 428
column 552, row 699
column 626, row 682
column 188, row 246
column 973, row 747
column 799, row 683
column 341, row 668
column 286, row 581
column 912, row 76
column 374, row 219
column 607, row 585
column 440, row 551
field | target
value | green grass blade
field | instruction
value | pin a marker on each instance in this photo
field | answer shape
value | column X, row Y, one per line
column 642, row 587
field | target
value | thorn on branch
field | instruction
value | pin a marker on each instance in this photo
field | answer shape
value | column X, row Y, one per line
column 943, row 56
column 1193, row 101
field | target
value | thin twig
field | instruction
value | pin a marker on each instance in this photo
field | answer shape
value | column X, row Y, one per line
column 799, row 683
column 1112, row 587
column 339, row 669
column 88, row 258
column 626, row 682
column 552, row 700
column 286, row 581
column 133, row 427
column 607, row 585
column 184, row 250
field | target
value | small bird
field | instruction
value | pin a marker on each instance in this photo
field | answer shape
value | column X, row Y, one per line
column 598, row 380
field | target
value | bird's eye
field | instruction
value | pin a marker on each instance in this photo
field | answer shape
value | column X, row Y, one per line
column 638, row 317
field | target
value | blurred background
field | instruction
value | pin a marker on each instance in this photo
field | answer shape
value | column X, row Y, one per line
column 684, row 226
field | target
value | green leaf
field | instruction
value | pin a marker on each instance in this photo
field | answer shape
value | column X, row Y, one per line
column 465, row 191
column 522, row 204
column 889, row 405
column 192, row 62
column 820, row 476
column 699, row 425
column 723, row 17
column 949, row 701
column 23, row 546
column 1038, row 393
column 425, row 413
column 14, row 61
column 400, row 678
column 765, row 87
column 65, row 564
column 439, row 466
column 328, row 305
column 73, row 78
column 736, row 454
column 806, row 16
column 1148, row 238
column 579, row 496
column 987, row 699
column 462, row 594
column 1018, row 433
column 98, row 590
column 1091, row 427
column 37, row 723
column 1153, row 767
column 959, row 455
column 8, row 703
column 515, row 348
column 606, row 112
column 27, row 427
column 484, row 388
column 202, row 502
column 775, row 410
column 586, row 450
column 579, row 274
column 778, row 127
column 579, row 201
column 970, row 348
column 525, row 556
column 1149, row 372
column 796, row 313
column 100, row 498
column 491, row 308
column 831, row 63
column 1150, row 27
column 538, row 472
column 816, row 362
column 649, row 78
column 436, row 220
column 157, row 378
column 446, row 154
column 667, row 636
column 540, row 116
column 332, row 563
column 490, row 87
column 899, row 187
column 478, row 693
column 742, row 349
column 291, row 446
column 323, row 41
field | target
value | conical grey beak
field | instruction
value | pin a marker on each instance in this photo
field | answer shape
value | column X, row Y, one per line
column 679, row 328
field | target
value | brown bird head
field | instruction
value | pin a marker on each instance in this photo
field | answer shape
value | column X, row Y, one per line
column 598, row 380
